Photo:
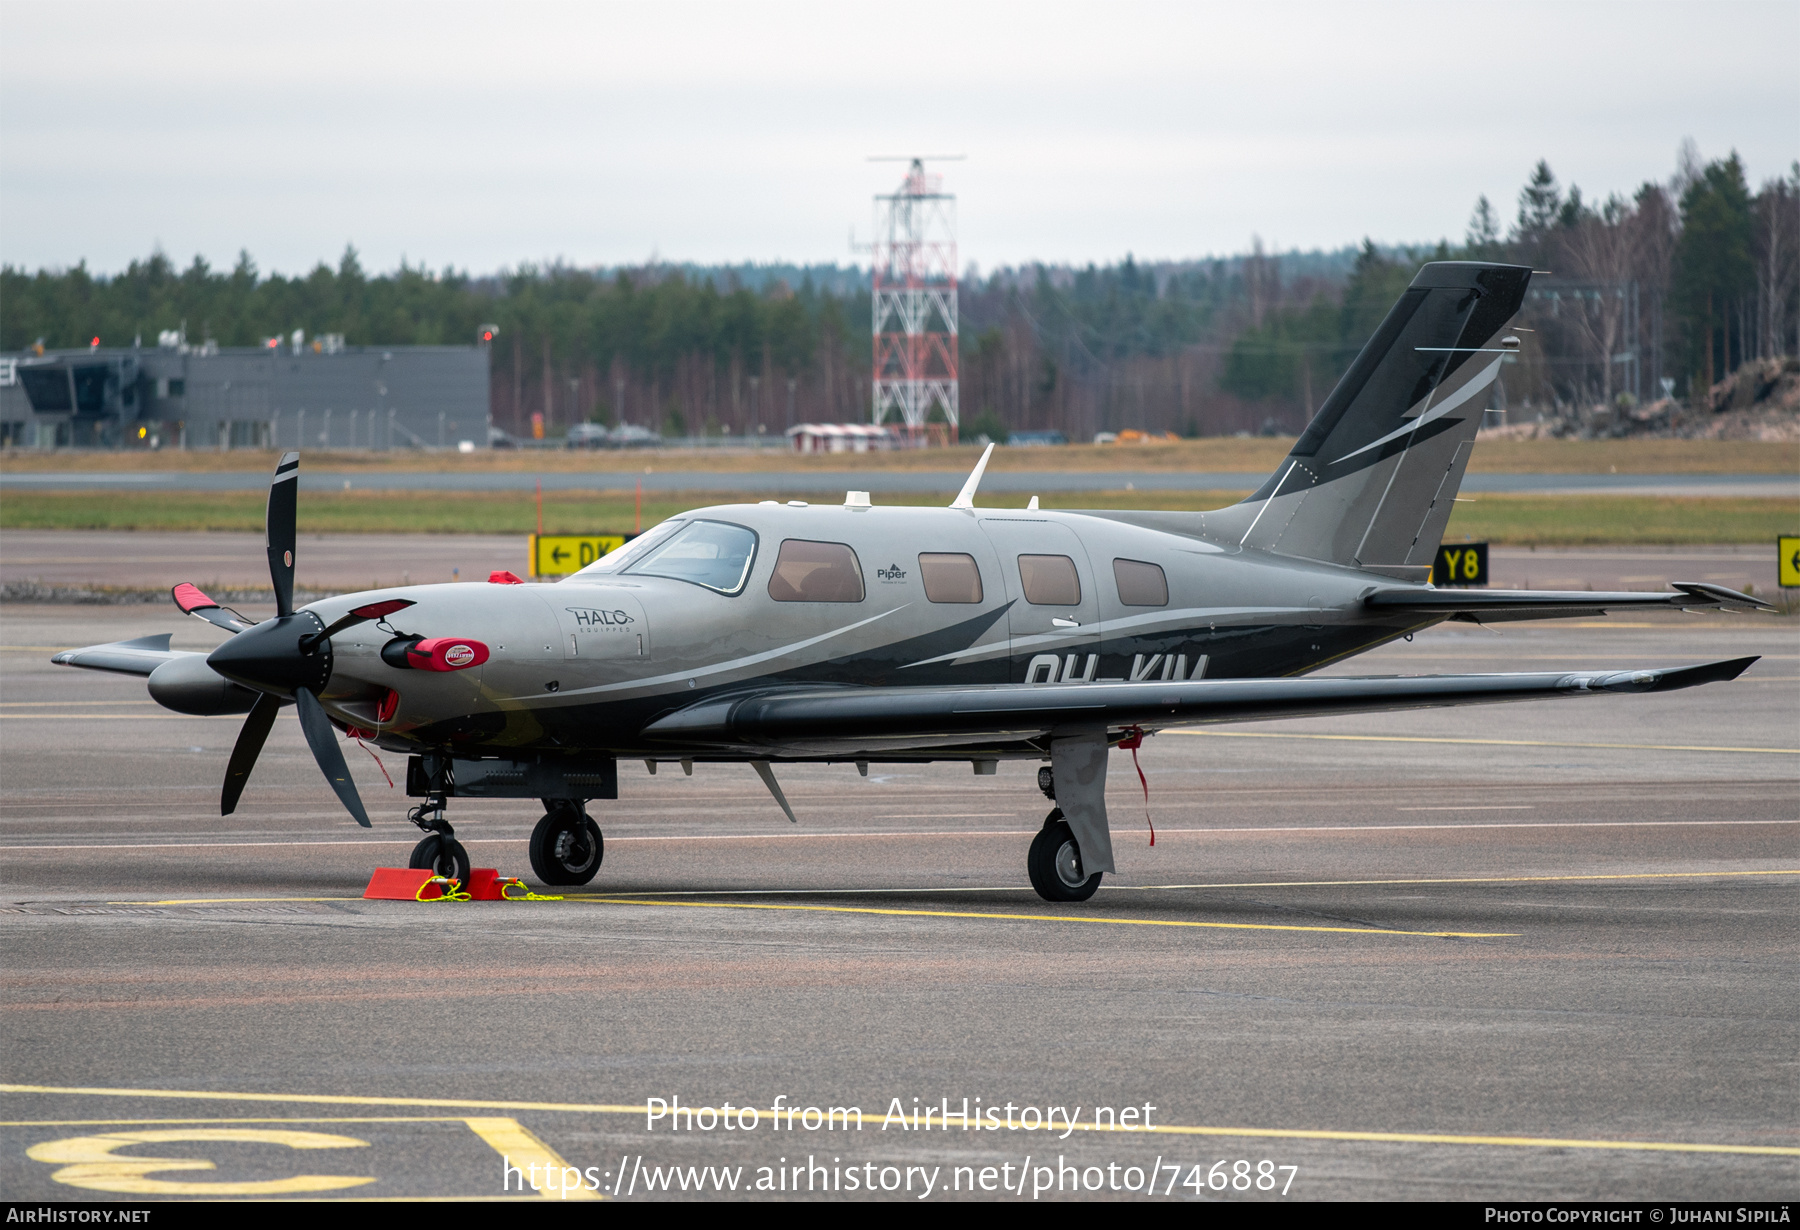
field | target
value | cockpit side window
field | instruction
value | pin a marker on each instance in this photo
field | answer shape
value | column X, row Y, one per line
column 713, row 554
column 816, row 572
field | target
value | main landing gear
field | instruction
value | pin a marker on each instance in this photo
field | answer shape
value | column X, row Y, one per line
column 439, row 852
column 1054, row 861
column 566, row 846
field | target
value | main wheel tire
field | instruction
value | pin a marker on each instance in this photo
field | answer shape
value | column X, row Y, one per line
column 1055, row 863
column 566, row 847
column 442, row 856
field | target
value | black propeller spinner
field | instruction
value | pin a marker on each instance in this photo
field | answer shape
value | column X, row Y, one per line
column 287, row 657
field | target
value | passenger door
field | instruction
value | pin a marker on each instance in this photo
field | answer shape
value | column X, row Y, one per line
column 1053, row 640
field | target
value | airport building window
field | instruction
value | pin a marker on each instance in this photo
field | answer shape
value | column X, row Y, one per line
column 816, row 572
column 713, row 554
column 1050, row 580
column 950, row 578
column 1140, row 584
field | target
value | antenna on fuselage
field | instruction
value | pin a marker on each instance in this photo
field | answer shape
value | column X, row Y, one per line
column 966, row 497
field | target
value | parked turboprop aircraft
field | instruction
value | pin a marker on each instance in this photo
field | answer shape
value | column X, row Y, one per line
column 774, row 633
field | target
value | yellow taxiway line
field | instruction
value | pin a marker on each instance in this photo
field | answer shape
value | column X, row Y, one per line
column 1062, row 918
column 950, row 1123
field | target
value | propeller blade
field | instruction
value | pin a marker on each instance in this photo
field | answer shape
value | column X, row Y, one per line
column 193, row 602
column 279, row 524
column 321, row 736
column 249, row 744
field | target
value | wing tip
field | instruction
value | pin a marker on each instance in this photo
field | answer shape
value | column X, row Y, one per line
column 1723, row 671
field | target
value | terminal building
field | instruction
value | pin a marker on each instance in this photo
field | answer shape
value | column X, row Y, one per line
column 288, row 393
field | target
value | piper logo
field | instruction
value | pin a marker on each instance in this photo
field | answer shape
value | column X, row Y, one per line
column 893, row 572
column 587, row 617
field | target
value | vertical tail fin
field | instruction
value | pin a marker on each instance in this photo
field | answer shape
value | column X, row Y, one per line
column 1371, row 481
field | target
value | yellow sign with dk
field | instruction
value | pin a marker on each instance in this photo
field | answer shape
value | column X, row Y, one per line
column 557, row 555
column 1787, row 560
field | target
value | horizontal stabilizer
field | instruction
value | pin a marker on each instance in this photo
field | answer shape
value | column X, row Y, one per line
column 810, row 721
column 138, row 657
column 1498, row 605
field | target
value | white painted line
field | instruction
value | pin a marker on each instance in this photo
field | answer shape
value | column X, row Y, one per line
column 1497, row 807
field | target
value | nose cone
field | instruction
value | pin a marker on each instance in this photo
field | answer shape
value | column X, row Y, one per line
column 271, row 658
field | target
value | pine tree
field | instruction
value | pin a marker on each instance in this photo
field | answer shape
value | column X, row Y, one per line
column 1540, row 202
column 1483, row 238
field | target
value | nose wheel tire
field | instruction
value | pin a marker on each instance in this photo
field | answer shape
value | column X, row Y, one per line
column 566, row 847
column 443, row 856
column 1055, row 863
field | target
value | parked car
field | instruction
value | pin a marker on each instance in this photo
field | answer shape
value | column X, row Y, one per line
column 630, row 435
column 1035, row 439
column 499, row 439
column 587, row 435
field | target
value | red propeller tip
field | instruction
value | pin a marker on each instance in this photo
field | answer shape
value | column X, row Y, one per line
column 190, row 599
column 376, row 610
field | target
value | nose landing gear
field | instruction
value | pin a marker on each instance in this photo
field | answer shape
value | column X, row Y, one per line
column 439, row 852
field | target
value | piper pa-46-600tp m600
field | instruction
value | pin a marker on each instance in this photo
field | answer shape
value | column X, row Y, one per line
column 780, row 633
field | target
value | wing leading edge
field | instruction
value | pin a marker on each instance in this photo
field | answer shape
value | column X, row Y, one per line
column 817, row 720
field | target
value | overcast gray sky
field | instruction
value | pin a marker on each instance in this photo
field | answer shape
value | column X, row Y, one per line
column 483, row 135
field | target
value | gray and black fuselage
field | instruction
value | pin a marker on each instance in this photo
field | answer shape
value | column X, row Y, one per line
column 780, row 632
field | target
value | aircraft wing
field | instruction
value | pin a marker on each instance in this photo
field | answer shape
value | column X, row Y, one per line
column 1497, row 605
column 138, row 657
column 804, row 721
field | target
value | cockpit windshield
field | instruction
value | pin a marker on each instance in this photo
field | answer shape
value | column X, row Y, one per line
column 713, row 554
column 614, row 562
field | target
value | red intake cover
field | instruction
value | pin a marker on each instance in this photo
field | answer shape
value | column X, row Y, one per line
column 503, row 578
column 446, row 653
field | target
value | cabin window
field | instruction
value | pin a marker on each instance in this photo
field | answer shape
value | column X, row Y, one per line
column 816, row 572
column 1050, row 580
column 950, row 578
column 1140, row 584
column 713, row 554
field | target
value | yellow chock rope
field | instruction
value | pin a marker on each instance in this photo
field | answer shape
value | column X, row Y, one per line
column 514, row 882
column 452, row 890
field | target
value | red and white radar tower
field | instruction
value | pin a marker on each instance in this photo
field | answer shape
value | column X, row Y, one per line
column 915, row 301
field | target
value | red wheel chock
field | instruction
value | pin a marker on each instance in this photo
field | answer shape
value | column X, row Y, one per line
column 420, row 884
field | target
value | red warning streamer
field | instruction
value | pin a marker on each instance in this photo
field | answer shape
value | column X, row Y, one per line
column 1134, row 739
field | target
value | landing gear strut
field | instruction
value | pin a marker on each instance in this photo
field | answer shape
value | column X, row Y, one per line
column 439, row 852
column 566, row 846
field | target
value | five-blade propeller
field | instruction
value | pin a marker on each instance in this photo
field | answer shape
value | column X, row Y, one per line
column 288, row 656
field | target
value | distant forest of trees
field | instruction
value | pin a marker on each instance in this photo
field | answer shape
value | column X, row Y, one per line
column 1685, row 280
